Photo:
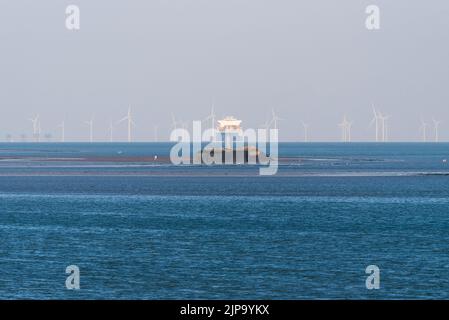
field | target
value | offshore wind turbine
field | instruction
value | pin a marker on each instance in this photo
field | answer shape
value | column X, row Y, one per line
column 344, row 129
column 36, row 127
column 39, row 131
column 375, row 121
column 90, row 123
column 342, row 125
column 274, row 119
column 306, row 131
column 436, row 124
column 423, row 129
column 348, row 131
column 62, row 126
column 211, row 117
column 384, row 124
column 130, row 121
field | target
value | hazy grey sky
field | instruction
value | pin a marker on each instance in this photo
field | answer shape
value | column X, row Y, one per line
column 310, row 60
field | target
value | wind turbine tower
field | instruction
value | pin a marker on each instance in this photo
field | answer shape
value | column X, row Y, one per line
column 384, row 124
column 348, row 129
column 274, row 119
column 211, row 117
column 36, row 127
column 306, row 131
column 423, row 129
column 376, row 122
column 39, row 131
column 345, row 130
column 62, row 126
column 90, row 123
column 436, row 125
column 130, row 123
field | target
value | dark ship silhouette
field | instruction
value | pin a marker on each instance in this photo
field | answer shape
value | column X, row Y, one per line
column 243, row 155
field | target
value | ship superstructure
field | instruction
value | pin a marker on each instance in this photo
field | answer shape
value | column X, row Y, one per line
column 230, row 131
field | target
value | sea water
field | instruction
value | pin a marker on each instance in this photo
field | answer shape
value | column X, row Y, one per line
column 142, row 229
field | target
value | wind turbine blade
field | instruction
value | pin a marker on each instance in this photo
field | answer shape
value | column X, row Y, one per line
column 121, row 120
column 374, row 110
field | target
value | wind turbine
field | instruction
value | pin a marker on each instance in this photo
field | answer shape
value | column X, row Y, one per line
column 376, row 122
column 436, row 124
column 306, row 131
column 348, row 129
column 274, row 119
column 344, row 129
column 211, row 117
column 130, row 123
column 384, row 123
column 62, row 126
column 36, row 127
column 90, row 123
column 423, row 128
column 39, row 131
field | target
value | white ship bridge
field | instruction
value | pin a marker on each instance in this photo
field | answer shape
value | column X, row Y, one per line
column 230, row 131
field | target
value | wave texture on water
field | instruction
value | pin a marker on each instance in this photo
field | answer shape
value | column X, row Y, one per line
column 144, row 230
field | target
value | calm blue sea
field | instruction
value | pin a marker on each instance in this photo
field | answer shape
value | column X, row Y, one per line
column 145, row 229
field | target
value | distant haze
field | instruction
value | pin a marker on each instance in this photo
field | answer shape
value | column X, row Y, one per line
column 312, row 61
